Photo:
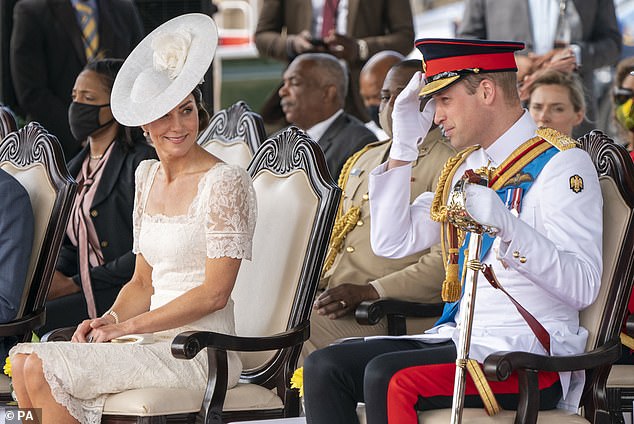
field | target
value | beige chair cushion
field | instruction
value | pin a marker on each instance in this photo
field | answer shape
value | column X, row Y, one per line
column 42, row 195
column 286, row 209
column 4, row 384
column 235, row 152
column 479, row 416
column 621, row 376
column 150, row 402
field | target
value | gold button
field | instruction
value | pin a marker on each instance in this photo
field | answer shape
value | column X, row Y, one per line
column 104, row 244
column 349, row 249
column 359, row 223
column 516, row 254
column 366, row 197
column 523, row 259
column 94, row 213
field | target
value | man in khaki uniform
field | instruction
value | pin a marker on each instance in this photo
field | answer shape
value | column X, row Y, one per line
column 353, row 273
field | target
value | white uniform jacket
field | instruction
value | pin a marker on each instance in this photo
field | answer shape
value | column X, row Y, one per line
column 559, row 237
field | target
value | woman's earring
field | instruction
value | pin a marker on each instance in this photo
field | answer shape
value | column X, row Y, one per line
column 146, row 134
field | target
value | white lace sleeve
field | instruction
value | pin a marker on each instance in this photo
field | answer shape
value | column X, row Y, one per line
column 140, row 179
column 230, row 213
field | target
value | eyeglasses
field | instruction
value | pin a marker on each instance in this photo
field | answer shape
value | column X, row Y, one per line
column 622, row 95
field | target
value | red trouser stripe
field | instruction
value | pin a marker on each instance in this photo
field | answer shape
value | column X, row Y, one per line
column 437, row 380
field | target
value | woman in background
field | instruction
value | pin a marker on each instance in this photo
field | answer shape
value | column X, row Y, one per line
column 96, row 258
column 556, row 100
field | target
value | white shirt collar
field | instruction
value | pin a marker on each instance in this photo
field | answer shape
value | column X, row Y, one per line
column 317, row 131
column 522, row 130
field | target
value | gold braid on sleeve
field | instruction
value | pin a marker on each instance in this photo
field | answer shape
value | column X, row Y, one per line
column 344, row 223
column 450, row 236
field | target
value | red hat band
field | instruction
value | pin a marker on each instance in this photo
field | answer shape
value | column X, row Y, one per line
column 485, row 62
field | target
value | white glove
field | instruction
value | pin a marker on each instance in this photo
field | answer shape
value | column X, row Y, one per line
column 409, row 125
column 486, row 207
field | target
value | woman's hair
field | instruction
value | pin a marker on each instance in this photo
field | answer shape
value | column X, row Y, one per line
column 203, row 115
column 623, row 69
column 107, row 70
column 570, row 81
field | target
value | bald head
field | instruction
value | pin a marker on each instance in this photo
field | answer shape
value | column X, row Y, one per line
column 373, row 73
column 314, row 88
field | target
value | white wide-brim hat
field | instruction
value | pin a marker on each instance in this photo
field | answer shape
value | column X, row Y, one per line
column 163, row 69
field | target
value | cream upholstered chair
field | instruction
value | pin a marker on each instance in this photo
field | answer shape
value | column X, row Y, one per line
column 602, row 319
column 273, row 295
column 34, row 157
column 234, row 134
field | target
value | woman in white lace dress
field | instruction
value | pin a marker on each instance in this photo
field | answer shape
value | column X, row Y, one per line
column 194, row 218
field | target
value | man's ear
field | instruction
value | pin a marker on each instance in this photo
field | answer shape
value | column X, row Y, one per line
column 487, row 91
column 330, row 93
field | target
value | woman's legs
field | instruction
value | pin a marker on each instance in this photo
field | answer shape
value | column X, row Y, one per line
column 18, row 376
column 39, row 394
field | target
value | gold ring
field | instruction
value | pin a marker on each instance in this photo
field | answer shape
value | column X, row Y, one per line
column 343, row 304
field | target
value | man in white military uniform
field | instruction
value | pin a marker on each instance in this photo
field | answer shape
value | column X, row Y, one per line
column 546, row 251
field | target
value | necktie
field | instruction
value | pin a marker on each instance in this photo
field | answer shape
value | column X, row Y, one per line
column 329, row 17
column 88, row 29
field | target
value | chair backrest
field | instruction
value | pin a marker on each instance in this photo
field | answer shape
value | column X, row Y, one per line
column 603, row 319
column 34, row 157
column 234, row 134
column 8, row 122
column 297, row 201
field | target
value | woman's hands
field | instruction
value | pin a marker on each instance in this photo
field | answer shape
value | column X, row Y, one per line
column 99, row 330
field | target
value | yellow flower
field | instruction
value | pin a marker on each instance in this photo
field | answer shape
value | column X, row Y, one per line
column 297, row 380
column 7, row 367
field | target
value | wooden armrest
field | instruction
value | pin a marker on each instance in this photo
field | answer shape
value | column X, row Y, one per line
column 499, row 366
column 59, row 335
column 187, row 345
column 23, row 325
column 370, row 312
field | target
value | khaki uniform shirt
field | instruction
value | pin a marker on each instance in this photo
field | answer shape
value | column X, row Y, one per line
column 417, row 277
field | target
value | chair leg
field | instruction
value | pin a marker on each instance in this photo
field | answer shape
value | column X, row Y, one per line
column 528, row 406
column 614, row 405
column 396, row 324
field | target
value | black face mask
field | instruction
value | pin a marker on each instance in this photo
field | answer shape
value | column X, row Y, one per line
column 84, row 119
column 373, row 111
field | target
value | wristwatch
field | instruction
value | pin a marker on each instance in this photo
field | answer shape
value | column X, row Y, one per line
column 364, row 52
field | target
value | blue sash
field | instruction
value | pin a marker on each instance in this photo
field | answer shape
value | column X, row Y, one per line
column 531, row 170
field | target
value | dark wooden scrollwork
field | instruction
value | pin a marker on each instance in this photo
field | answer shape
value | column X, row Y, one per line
column 237, row 122
column 609, row 158
column 8, row 122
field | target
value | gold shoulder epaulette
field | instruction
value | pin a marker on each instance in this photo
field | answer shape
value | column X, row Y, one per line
column 557, row 139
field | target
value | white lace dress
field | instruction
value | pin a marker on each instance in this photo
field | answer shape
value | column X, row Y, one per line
column 220, row 222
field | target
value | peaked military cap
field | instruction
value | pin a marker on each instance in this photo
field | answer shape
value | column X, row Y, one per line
column 447, row 60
